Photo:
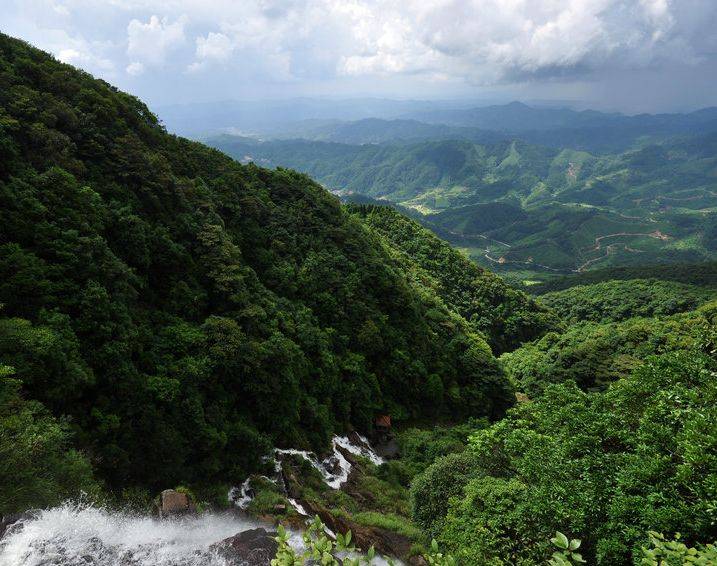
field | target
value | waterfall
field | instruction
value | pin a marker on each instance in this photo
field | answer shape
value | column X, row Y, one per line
column 335, row 468
column 74, row 534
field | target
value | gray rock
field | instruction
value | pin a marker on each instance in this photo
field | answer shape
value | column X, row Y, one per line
column 173, row 503
column 255, row 547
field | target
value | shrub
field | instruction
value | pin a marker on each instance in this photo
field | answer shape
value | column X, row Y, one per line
column 431, row 491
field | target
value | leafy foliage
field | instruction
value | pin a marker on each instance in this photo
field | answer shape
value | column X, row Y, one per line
column 699, row 274
column 432, row 490
column 37, row 465
column 663, row 552
column 506, row 316
column 607, row 467
column 594, row 354
column 614, row 301
column 566, row 553
column 320, row 549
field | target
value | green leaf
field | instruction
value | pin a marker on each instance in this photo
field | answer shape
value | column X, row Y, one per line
column 560, row 540
column 371, row 553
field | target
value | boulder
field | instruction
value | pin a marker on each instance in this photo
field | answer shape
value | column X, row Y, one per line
column 255, row 547
column 172, row 502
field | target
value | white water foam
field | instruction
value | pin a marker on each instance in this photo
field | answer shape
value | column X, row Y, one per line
column 298, row 506
column 361, row 448
column 73, row 534
column 335, row 469
column 242, row 495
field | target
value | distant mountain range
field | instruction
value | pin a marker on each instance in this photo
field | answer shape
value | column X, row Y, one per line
column 274, row 117
column 519, row 117
column 561, row 127
column 362, row 121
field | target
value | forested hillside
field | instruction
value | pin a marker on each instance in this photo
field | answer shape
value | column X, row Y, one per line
column 508, row 317
column 614, row 301
column 516, row 206
column 405, row 121
column 700, row 274
column 603, row 468
column 587, row 130
column 170, row 305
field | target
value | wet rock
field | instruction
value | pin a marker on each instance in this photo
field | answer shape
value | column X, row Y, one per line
column 332, row 465
column 357, row 440
column 255, row 547
column 384, row 541
column 9, row 523
column 173, row 503
column 388, row 448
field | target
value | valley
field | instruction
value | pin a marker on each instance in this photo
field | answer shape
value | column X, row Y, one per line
column 547, row 204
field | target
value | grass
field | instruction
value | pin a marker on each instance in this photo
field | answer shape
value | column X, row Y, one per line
column 391, row 522
column 386, row 497
column 265, row 501
column 388, row 521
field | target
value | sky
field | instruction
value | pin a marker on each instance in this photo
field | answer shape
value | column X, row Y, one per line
column 628, row 55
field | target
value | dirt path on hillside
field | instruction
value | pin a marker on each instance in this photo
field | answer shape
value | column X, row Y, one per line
column 609, row 249
column 502, row 261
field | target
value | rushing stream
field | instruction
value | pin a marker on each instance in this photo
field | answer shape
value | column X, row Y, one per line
column 83, row 535
column 335, row 468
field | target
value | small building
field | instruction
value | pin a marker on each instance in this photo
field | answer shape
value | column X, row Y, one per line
column 383, row 439
column 383, row 424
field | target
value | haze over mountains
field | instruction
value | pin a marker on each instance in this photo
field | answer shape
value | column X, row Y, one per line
column 382, row 120
column 521, row 188
column 274, row 116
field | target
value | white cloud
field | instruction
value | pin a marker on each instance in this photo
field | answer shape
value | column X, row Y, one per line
column 483, row 41
column 372, row 43
column 81, row 53
column 150, row 42
column 60, row 9
column 491, row 40
column 213, row 47
column 135, row 68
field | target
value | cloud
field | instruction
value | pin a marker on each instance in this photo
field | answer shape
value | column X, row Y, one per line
column 150, row 42
column 81, row 53
column 213, row 47
column 135, row 68
column 394, row 45
column 487, row 41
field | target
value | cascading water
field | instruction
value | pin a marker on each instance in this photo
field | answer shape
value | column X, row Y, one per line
column 79, row 534
column 334, row 469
